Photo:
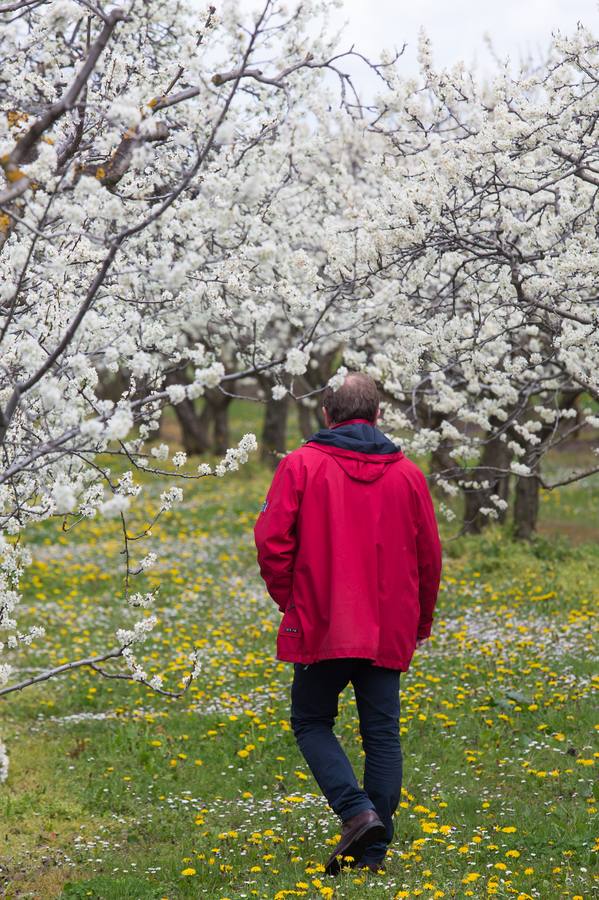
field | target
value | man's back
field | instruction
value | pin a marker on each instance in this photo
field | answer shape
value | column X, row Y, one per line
column 349, row 548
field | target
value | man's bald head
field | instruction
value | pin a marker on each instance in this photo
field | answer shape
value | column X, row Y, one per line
column 357, row 398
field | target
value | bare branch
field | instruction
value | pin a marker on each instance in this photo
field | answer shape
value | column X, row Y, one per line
column 121, row 676
column 11, row 193
column 165, row 102
column 580, row 170
column 59, row 670
column 21, row 5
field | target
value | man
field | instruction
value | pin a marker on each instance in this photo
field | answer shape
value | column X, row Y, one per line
column 349, row 549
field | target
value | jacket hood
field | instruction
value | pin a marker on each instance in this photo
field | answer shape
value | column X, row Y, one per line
column 359, row 447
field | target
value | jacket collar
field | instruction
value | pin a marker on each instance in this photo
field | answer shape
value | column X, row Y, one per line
column 356, row 435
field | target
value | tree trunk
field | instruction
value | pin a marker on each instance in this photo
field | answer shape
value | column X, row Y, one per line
column 205, row 420
column 526, row 507
column 495, row 455
column 194, row 428
column 441, row 461
column 112, row 385
column 314, row 378
column 161, row 426
column 194, row 434
column 274, row 430
column 220, row 414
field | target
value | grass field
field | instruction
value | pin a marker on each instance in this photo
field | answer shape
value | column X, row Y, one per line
column 115, row 792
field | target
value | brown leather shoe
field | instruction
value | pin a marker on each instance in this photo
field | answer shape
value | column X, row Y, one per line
column 357, row 833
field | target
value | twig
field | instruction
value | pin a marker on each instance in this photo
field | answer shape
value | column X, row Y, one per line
column 59, row 670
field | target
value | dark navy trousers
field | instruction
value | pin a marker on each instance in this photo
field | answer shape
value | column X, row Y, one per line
column 314, row 708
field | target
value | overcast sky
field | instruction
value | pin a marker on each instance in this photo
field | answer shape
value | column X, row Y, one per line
column 457, row 27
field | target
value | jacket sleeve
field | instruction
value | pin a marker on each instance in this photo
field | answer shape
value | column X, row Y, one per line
column 275, row 532
column 428, row 547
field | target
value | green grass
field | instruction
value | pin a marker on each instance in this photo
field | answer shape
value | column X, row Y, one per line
column 114, row 792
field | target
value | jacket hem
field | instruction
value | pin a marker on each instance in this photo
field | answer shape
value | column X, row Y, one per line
column 345, row 653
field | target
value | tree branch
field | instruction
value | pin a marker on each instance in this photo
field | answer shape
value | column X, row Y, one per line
column 59, row 670
column 24, row 146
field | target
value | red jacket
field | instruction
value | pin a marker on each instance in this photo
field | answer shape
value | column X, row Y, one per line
column 349, row 549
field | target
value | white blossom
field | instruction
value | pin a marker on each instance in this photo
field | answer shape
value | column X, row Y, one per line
column 120, row 424
column 3, row 757
column 176, row 393
column 170, row 496
column 160, row 452
column 63, row 496
column 116, row 504
column 148, row 561
column 338, row 378
column 519, row 468
column 296, row 361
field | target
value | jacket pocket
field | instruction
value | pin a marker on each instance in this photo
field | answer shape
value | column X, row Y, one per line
column 290, row 623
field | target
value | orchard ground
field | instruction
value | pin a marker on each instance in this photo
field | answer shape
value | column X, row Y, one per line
column 115, row 792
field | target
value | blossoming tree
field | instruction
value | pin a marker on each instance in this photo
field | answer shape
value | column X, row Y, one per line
column 126, row 131
column 488, row 327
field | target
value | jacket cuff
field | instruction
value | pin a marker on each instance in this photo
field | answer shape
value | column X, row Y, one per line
column 424, row 631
